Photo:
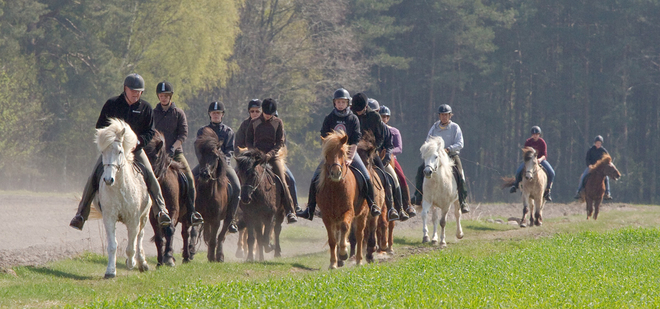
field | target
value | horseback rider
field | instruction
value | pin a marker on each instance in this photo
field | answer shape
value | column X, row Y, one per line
column 342, row 119
column 171, row 121
column 266, row 134
column 397, row 144
column 225, row 134
column 594, row 154
column 452, row 135
column 540, row 146
column 254, row 111
column 370, row 121
column 387, row 148
column 129, row 107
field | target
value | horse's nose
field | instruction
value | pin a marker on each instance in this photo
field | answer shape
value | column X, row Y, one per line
column 427, row 172
column 109, row 180
column 528, row 176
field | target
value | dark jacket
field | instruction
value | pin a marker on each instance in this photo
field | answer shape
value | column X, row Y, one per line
column 242, row 133
column 371, row 121
column 225, row 136
column 349, row 124
column 138, row 116
column 266, row 135
column 174, row 126
column 594, row 154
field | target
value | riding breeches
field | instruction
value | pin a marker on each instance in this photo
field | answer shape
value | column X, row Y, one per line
column 291, row 183
column 279, row 168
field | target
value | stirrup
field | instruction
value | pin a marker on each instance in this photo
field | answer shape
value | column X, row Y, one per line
column 164, row 219
column 233, row 228
column 196, row 219
column 411, row 211
column 392, row 215
column 306, row 214
column 403, row 216
column 291, row 218
column 607, row 196
column 375, row 211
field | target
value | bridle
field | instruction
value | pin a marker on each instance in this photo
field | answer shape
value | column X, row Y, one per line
column 341, row 168
column 254, row 188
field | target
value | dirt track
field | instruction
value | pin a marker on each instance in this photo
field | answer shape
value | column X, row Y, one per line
column 36, row 228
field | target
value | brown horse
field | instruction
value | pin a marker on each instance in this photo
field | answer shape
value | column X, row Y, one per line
column 174, row 187
column 262, row 203
column 211, row 188
column 594, row 187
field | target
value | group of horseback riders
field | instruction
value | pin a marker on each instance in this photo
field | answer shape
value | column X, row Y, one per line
column 263, row 130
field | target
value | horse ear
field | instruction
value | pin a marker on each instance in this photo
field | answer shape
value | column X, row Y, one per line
column 122, row 132
column 344, row 139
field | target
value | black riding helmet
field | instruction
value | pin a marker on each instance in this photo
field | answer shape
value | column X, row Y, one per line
column 254, row 103
column 444, row 109
column 164, row 87
column 536, row 130
column 341, row 93
column 134, row 82
column 217, row 106
column 384, row 111
column 269, row 106
column 599, row 139
column 359, row 102
column 373, row 104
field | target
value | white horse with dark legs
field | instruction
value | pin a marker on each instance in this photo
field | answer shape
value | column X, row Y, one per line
column 123, row 194
column 440, row 189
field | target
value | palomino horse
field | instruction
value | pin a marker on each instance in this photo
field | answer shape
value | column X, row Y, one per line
column 262, row 203
column 339, row 200
column 211, row 187
column 123, row 194
column 173, row 184
column 532, row 186
column 594, row 188
column 440, row 189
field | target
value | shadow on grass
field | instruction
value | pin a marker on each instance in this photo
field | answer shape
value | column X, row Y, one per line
column 405, row 241
column 303, row 267
column 58, row 273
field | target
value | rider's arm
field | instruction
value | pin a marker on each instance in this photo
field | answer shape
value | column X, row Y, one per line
column 147, row 130
column 396, row 141
column 181, row 131
column 228, row 147
column 457, row 145
column 279, row 141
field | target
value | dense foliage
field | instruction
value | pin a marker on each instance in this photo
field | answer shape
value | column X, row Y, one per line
column 575, row 68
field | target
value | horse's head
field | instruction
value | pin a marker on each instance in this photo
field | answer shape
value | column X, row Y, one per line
column 334, row 155
column 433, row 154
column 157, row 154
column 607, row 167
column 210, row 156
column 116, row 142
column 249, row 174
column 366, row 148
column 531, row 162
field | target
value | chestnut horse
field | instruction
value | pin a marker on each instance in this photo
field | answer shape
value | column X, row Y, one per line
column 211, row 188
column 339, row 200
column 262, row 203
column 174, row 185
column 594, row 187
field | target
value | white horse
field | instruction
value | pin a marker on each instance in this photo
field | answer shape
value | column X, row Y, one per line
column 440, row 189
column 532, row 187
column 123, row 194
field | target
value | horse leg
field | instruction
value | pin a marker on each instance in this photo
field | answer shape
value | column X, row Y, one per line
column 597, row 207
column 443, row 223
column 525, row 211
column 277, row 230
column 538, row 221
column 169, row 251
column 210, row 234
column 390, row 238
column 242, row 238
column 434, row 217
column 194, row 234
column 219, row 253
column 425, row 229
column 371, row 234
column 457, row 214
column 332, row 241
column 185, row 235
column 381, row 231
column 158, row 238
column 352, row 241
column 110, row 228
column 344, row 228
column 532, row 205
column 132, row 244
column 590, row 205
column 359, row 237
column 141, row 257
column 250, row 241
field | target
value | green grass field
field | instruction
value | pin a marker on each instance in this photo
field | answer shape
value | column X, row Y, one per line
column 568, row 262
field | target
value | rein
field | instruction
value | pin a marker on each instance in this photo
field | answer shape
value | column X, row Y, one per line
column 254, row 188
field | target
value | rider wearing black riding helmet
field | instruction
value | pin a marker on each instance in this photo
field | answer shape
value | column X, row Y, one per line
column 171, row 122
column 595, row 153
column 342, row 119
column 225, row 134
column 451, row 134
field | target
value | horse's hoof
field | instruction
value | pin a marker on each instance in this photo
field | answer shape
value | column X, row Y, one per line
column 332, row 267
column 523, row 225
column 269, row 248
column 144, row 267
column 278, row 254
column 186, row 261
column 425, row 239
column 340, row 263
column 343, row 257
column 130, row 264
column 443, row 245
column 170, row 263
column 109, row 276
column 390, row 251
column 460, row 236
column 433, row 242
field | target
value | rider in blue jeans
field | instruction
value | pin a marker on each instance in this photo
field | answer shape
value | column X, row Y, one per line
column 541, row 148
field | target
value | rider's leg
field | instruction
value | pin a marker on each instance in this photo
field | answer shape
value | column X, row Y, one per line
column 581, row 184
column 462, row 187
column 551, row 178
column 195, row 217
column 405, row 194
column 368, row 190
column 234, row 199
column 392, row 214
column 91, row 187
column 291, row 183
column 278, row 169
column 311, row 201
column 519, row 171
column 160, row 211
column 396, row 192
column 607, row 196
column 419, row 183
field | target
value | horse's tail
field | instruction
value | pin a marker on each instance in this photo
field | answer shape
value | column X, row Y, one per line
column 507, row 182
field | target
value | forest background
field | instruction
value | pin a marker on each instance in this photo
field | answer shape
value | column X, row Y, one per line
column 577, row 68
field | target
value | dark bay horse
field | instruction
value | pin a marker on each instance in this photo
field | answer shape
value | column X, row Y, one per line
column 174, row 186
column 339, row 200
column 594, row 187
column 211, row 188
column 262, row 203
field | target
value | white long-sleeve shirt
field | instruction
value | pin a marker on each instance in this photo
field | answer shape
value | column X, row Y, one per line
column 451, row 134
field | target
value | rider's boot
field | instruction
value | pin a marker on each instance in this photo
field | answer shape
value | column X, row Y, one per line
column 546, row 195
column 308, row 213
column 91, row 187
column 607, row 196
column 195, row 217
column 578, row 195
column 398, row 204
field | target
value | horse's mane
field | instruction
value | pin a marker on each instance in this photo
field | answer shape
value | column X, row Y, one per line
column 331, row 143
column 435, row 145
column 605, row 160
column 528, row 153
column 158, row 157
column 366, row 148
column 208, row 142
column 249, row 158
column 107, row 135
